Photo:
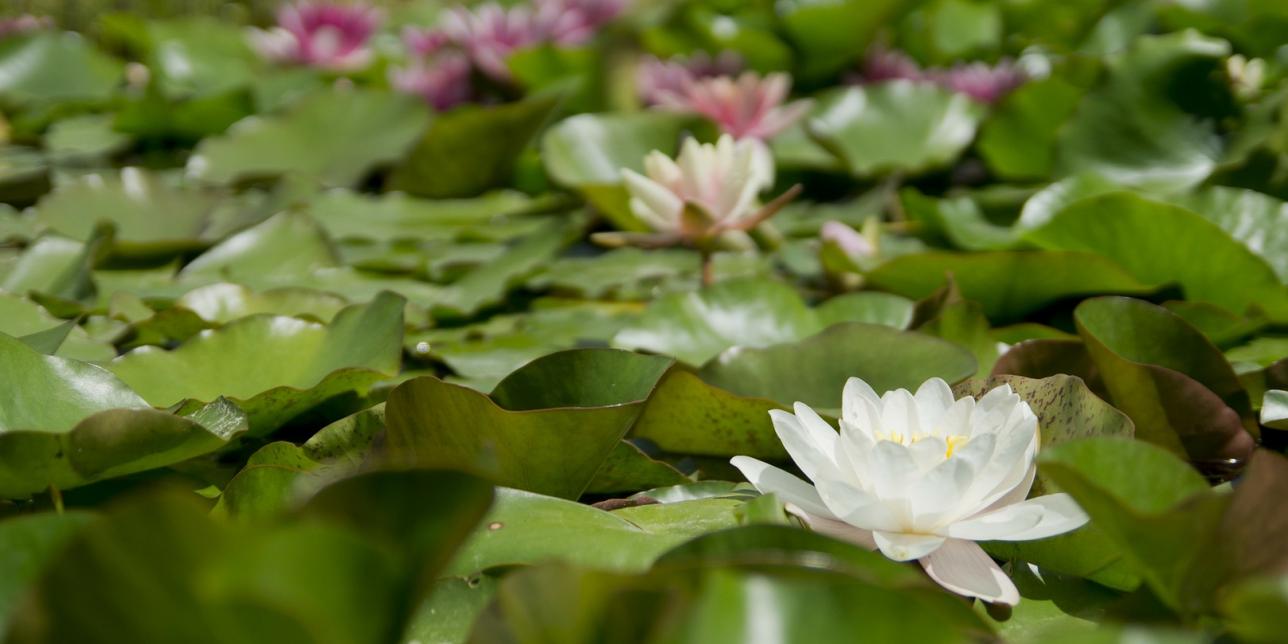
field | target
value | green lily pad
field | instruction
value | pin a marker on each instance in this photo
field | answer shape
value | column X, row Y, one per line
column 1018, row 139
column 472, row 148
column 83, row 140
column 99, row 429
column 363, row 129
column 1157, row 242
column 329, row 574
column 898, row 126
column 28, row 544
column 301, row 364
column 688, row 416
column 349, row 215
column 814, row 370
column 223, row 303
column 1177, row 387
column 286, row 246
column 488, row 285
column 55, row 66
column 150, row 216
column 747, row 312
column 1008, row 284
column 1129, row 131
column 550, row 438
column 22, row 317
column 1259, row 221
column 622, row 273
column 528, row 528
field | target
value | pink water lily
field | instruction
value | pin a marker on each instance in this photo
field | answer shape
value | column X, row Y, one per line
column 984, row 83
column 444, row 82
column 981, row 82
column 490, row 33
column 327, row 36
column 920, row 477
column 749, row 106
column 24, row 24
column 656, row 77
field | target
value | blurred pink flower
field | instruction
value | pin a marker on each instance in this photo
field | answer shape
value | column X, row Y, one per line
column 883, row 64
column 327, row 36
column 490, row 33
column 980, row 81
column 654, row 77
column 23, row 24
column 425, row 42
column 850, row 241
column 573, row 22
column 443, row 82
column 750, row 106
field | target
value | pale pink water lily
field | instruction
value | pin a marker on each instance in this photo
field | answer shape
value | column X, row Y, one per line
column 749, row 106
column 920, row 477
column 656, row 77
column 490, row 33
column 723, row 179
column 881, row 64
column 24, row 24
column 984, row 83
column 981, row 82
column 326, row 36
column 444, row 81
column 423, row 42
column 574, row 22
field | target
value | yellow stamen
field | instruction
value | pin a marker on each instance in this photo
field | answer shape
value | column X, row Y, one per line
column 952, row 442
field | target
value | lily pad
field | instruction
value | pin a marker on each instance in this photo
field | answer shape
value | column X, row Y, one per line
column 814, row 370
column 899, row 126
column 363, row 129
column 1008, row 284
column 1178, row 389
column 100, row 428
column 301, row 364
column 151, row 217
column 55, row 66
column 551, row 438
column 1157, row 243
column 349, row 215
column 471, row 149
column 747, row 312
column 22, row 317
column 287, row 245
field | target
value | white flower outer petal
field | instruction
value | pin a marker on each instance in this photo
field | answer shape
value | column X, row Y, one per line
column 964, row 568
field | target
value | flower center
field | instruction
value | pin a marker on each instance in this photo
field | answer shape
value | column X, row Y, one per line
column 951, row 442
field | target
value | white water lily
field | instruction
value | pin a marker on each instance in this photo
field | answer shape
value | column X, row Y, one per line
column 920, row 477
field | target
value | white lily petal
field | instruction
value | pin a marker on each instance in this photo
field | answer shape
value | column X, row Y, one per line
column 934, row 397
column 789, row 489
column 892, row 470
column 899, row 414
column 812, row 461
column 906, row 547
column 817, row 430
column 853, row 411
column 859, row 508
column 928, row 453
column 834, row 528
column 964, row 568
column 656, row 206
column 1019, row 492
column 998, row 524
column 1059, row 514
column 938, row 491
